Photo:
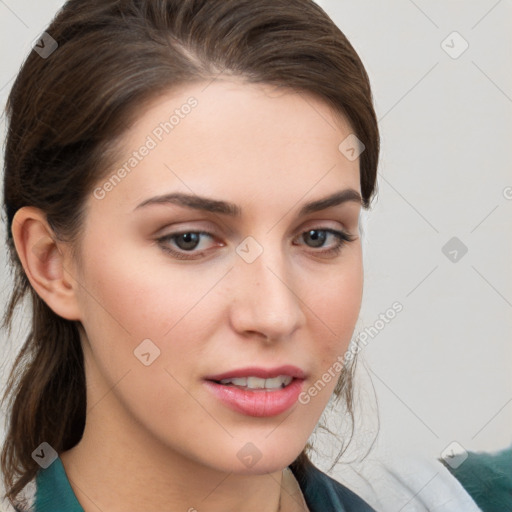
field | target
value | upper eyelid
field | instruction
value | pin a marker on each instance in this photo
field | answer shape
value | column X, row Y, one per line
column 212, row 232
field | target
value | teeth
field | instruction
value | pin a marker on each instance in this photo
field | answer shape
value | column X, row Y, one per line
column 277, row 382
column 255, row 383
column 258, row 383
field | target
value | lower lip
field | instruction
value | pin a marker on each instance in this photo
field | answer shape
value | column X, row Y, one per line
column 260, row 402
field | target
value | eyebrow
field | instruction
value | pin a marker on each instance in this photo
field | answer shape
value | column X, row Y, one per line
column 226, row 208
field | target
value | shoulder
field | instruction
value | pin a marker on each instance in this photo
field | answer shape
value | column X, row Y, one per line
column 323, row 493
column 48, row 491
column 487, row 477
column 392, row 481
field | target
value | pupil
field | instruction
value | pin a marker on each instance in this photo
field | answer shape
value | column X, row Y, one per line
column 317, row 239
column 191, row 240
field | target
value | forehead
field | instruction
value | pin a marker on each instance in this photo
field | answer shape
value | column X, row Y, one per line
column 229, row 138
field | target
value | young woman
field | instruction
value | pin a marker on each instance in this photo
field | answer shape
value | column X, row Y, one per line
column 183, row 186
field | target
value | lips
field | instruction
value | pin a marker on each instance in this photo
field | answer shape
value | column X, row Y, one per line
column 259, row 392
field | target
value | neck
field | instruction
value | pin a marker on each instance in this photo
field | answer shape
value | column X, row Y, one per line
column 116, row 468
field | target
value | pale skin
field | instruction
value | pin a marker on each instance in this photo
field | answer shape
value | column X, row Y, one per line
column 155, row 437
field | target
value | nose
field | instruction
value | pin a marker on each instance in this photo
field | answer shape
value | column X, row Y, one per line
column 264, row 299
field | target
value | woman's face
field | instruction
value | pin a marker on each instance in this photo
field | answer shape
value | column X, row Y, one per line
column 239, row 278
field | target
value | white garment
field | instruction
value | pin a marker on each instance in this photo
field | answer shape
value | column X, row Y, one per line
column 28, row 493
column 405, row 483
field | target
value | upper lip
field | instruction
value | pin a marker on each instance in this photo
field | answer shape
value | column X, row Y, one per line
column 263, row 373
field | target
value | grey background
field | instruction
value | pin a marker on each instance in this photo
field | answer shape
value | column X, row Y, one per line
column 442, row 367
column 441, row 370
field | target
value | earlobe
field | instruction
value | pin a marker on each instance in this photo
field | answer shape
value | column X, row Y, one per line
column 44, row 262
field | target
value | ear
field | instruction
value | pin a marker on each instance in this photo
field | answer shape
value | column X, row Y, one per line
column 46, row 262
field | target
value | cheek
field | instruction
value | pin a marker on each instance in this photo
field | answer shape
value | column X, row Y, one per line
column 127, row 300
column 336, row 310
column 337, row 303
column 125, row 307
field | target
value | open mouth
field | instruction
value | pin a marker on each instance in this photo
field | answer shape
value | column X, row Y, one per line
column 257, row 383
column 258, row 391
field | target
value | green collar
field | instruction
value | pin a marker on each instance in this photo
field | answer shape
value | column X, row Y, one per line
column 53, row 490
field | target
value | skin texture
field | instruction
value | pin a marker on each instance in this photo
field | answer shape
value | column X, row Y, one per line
column 154, row 434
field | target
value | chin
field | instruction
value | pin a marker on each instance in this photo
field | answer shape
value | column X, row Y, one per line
column 262, row 458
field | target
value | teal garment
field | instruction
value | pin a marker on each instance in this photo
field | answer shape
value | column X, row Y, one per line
column 487, row 477
column 53, row 490
column 321, row 493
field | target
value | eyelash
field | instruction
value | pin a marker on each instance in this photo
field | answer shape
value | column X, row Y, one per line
column 342, row 236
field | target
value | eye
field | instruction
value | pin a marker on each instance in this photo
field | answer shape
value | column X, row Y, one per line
column 186, row 242
column 185, row 245
column 318, row 237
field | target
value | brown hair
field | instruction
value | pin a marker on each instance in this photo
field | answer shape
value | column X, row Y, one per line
column 66, row 111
